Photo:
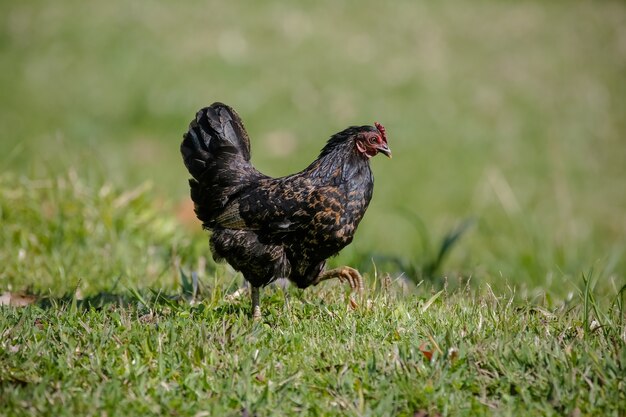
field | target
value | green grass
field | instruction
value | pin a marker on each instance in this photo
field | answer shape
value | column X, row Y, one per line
column 151, row 355
column 506, row 122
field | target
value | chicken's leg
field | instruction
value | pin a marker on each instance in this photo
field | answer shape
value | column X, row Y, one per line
column 256, row 309
column 344, row 273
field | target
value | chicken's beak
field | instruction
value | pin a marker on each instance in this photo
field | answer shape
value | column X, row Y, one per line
column 385, row 149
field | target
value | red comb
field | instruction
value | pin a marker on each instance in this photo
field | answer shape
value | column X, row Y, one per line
column 381, row 129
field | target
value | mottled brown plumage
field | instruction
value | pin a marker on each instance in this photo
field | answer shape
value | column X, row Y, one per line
column 271, row 228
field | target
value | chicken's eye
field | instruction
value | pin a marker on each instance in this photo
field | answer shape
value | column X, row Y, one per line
column 372, row 140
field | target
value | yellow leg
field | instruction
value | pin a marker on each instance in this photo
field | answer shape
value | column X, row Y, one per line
column 344, row 273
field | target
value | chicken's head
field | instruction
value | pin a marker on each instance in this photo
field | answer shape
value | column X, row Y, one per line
column 371, row 141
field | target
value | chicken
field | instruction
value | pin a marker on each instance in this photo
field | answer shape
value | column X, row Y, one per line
column 269, row 228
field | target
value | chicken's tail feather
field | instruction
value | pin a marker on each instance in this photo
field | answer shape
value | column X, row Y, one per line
column 216, row 151
column 215, row 134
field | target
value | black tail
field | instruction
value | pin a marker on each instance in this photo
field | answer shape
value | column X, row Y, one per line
column 216, row 151
column 216, row 129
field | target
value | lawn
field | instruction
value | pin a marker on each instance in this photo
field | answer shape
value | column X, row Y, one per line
column 494, row 249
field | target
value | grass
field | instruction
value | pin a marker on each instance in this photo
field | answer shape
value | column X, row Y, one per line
column 494, row 243
column 462, row 354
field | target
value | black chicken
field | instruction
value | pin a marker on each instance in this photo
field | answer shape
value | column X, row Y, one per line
column 268, row 228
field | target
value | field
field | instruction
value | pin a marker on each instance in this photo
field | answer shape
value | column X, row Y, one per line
column 494, row 248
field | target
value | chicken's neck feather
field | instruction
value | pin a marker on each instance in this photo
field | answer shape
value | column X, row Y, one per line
column 339, row 162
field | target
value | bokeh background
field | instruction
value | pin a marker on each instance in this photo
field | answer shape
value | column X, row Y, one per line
column 509, row 115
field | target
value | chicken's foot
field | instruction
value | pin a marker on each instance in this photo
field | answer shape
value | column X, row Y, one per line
column 240, row 292
column 345, row 274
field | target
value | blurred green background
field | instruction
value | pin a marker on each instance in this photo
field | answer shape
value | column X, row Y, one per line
column 509, row 113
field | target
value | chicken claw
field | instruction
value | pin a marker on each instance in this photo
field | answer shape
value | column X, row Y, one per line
column 240, row 292
column 345, row 274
